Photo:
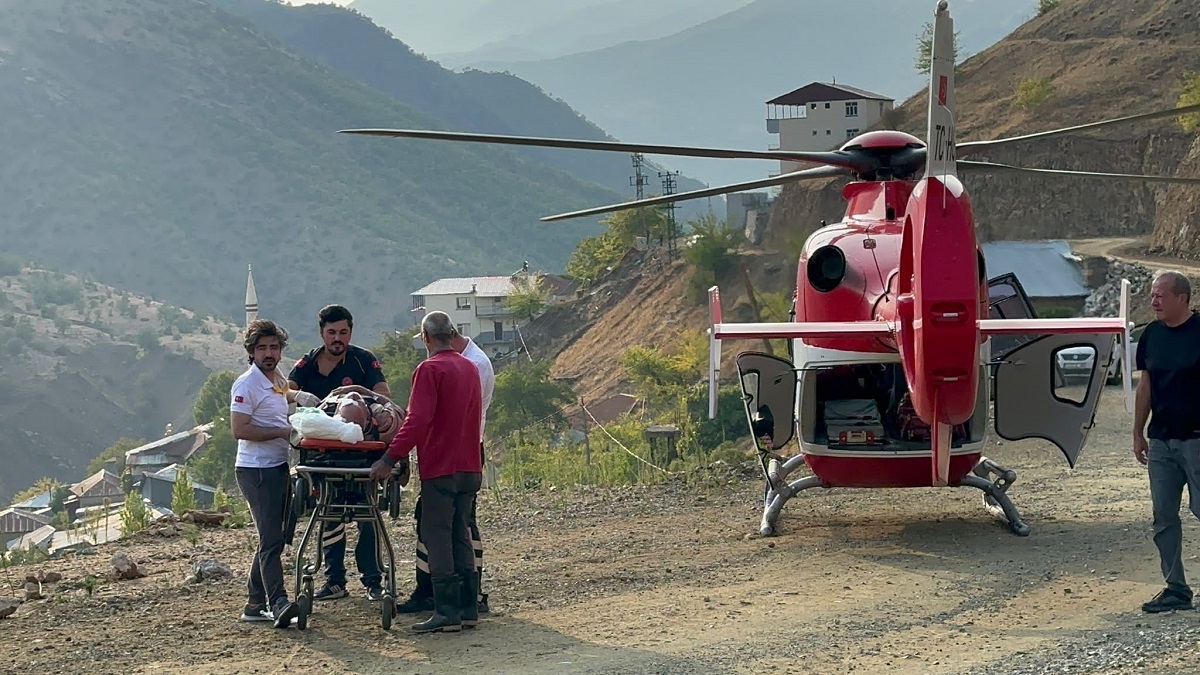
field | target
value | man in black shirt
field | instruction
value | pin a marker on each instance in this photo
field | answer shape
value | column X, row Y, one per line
column 1168, row 393
column 336, row 367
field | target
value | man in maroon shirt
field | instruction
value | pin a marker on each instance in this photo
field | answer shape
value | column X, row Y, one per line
column 443, row 423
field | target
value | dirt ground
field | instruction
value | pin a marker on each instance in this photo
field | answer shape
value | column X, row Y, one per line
column 670, row 579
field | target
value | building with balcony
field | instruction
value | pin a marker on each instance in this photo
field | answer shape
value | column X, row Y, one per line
column 822, row 116
column 479, row 306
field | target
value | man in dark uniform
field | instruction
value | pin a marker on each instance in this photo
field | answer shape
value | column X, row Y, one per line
column 338, row 367
column 1168, row 394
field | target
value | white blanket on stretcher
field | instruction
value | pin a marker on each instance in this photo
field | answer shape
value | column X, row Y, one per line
column 313, row 423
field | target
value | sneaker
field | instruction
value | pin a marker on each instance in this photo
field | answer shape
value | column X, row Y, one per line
column 256, row 613
column 1166, row 601
column 483, row 604
column 374, row 594
column 331, row 592
column 285, row 613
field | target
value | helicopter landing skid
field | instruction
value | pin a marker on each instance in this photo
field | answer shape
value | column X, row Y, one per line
column 775, row 498
column 988, row 476
column 995, row 480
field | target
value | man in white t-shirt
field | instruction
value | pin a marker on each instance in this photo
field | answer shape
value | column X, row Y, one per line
column 421, row 599
column 259, row 421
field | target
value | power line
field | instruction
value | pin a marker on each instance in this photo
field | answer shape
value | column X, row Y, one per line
column 638, row 181
column 668, row 183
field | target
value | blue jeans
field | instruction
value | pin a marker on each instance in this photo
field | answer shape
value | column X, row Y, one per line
column 1173, row 465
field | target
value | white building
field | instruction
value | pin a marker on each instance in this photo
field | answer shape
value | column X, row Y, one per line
column 822, row 116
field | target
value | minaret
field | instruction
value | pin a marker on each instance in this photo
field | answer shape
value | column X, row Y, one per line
column 251, row 297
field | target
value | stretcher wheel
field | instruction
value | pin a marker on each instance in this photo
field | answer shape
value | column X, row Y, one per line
column 387, row 611
column 300, row 496
column 394, row 492
column 303, row 606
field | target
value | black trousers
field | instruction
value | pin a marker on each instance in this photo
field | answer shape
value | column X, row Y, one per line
column 446, row 522
column 266, row 491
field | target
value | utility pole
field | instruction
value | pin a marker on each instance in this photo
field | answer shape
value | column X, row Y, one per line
column 668, row 184
column 638, row 181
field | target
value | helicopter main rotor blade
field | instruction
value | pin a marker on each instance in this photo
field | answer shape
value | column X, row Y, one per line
column 972, row 146
column 834, row 158
column 984, row 166
column 817, row 172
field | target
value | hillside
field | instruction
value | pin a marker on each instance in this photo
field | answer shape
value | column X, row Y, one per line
column 646, row 301
column 1105, row 60
column 729, row 66
column 161, row 146
column 87, row 364
column 1178, row 218
column 351, row 44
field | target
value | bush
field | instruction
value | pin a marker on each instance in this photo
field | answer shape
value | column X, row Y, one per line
column 1033, row 92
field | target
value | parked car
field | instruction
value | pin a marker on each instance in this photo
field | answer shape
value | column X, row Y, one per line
column 1074, row 363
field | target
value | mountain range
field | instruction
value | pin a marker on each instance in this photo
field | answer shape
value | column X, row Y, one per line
column 706, row 83
column 161, row 146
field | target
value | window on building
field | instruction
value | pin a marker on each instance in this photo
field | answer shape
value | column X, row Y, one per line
column 827, row 105
column 418, row 301
column 463, row 303
column 464, row 329
column 814, row 132
column 851, row 133
column 829, row 132
column 498, row 330
column 814, row 106
column 851, row 108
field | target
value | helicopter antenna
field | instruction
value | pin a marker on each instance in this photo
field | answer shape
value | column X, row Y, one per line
column 638, row 180
column 668, row 185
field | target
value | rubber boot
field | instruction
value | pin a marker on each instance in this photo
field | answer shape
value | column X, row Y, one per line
column 468, row 604
column 446, row 597
column 421, row 599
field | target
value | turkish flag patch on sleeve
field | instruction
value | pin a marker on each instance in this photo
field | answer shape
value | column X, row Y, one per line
column 238, row 399
column 375, row 365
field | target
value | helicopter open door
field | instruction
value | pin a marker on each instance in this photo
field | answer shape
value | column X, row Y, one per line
column 769, row 395
column 1007, row 300
column 1031, row 403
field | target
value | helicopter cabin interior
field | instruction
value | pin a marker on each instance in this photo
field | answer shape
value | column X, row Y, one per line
column 866, row 406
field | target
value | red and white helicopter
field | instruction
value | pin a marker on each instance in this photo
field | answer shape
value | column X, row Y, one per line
column 892, row 369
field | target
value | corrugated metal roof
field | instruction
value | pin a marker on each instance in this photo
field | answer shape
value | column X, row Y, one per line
column 485, row 287
column 825, row 91
column 1046, row 269
column 169, row 440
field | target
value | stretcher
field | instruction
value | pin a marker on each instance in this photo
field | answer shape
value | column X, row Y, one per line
column 332, row 484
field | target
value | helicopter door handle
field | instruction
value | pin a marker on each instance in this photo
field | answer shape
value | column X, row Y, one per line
column 949, row 312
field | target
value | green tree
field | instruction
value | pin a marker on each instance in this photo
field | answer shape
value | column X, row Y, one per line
column 213, row 400
column 1047, row 5
column 1032, row 92
column 214, row 464
column 661, row 378
column 711, row 253
column 40, row 487
column 525, row 394
column 1190, row 96
column 399, row 357
column 529, row 297
column 925, row 48
column 135, row 516
column 147, row 340
column 116, row 451
column 183, row 498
